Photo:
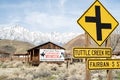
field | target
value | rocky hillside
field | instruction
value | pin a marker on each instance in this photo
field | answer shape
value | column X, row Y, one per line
column 79, row 41
column 76, row 42
column 13, row 46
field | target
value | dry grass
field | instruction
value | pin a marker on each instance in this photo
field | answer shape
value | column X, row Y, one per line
column 16, row 70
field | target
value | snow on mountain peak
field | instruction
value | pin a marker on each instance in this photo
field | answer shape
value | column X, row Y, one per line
column 17, row 32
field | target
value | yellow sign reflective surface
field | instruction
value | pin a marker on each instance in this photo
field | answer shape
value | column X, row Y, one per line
column 92, row 52
column 94, row 64
column 98, row 22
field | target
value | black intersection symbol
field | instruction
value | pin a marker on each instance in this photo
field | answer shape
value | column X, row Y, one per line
column 99, row 25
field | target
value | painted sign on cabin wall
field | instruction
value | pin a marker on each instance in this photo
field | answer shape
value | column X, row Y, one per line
column 52, row 55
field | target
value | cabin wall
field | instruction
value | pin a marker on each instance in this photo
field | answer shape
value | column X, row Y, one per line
column 35, row 52
column 36, row 55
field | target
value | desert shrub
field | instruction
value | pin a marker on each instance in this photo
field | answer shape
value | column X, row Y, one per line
column 43, row 65
column 4, row 65
column 16, row 74
column 3, row 77
column 46, row 71
column 118, row 75
column 42, row 73
column 52, row 77
column 98, row 74
column 53, row 67
column 1, row 63
column 43, row 70
column 62, row 70
column 76, row 71
column 46, row 78
column 62, row 76
column 27, row 65
column 16, row 78
column 12, row 64
column 63, row 65
column 75, row 77
column 73, row 69
column 17, row 64
column 30, row 71
column 29, row 77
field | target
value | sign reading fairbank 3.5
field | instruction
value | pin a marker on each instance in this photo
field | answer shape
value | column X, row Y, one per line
column 98, row 22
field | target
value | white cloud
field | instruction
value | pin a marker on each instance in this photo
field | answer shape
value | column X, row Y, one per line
column 48, row 21
column 62, row 2
column 14, row 19
column 16, row 6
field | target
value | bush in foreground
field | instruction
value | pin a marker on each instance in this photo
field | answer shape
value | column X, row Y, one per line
column 18, row 71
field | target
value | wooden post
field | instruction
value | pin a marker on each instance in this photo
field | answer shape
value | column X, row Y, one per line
column 25, row 58
column 109, row 72
column 28, row 56
column 67, row 64
column 38, row 55
column 88, row 77
column 109, row 75
column 33, row 55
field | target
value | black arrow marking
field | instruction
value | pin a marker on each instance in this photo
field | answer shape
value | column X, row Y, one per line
column 43, row 54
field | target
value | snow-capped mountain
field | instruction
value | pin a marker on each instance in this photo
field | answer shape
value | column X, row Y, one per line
column 22, row 34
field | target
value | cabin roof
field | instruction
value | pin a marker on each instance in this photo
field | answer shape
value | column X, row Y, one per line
column 36, row 47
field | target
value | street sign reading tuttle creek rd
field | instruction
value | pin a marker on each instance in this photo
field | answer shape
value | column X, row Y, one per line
column 92, row 52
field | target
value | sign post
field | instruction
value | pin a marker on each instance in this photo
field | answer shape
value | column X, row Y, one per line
column 88, row 76
column 109, row 72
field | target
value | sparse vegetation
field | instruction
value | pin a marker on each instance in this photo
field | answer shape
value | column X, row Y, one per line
column 11, row 64
column 3, row 77
column 16, row 70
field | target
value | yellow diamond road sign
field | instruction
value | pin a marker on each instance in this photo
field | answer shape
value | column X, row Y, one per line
column 98, row 22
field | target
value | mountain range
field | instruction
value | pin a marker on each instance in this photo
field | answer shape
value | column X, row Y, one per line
column 11, row 35
column 16, row 32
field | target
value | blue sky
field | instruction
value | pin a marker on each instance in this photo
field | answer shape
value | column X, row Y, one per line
column 50, row 15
